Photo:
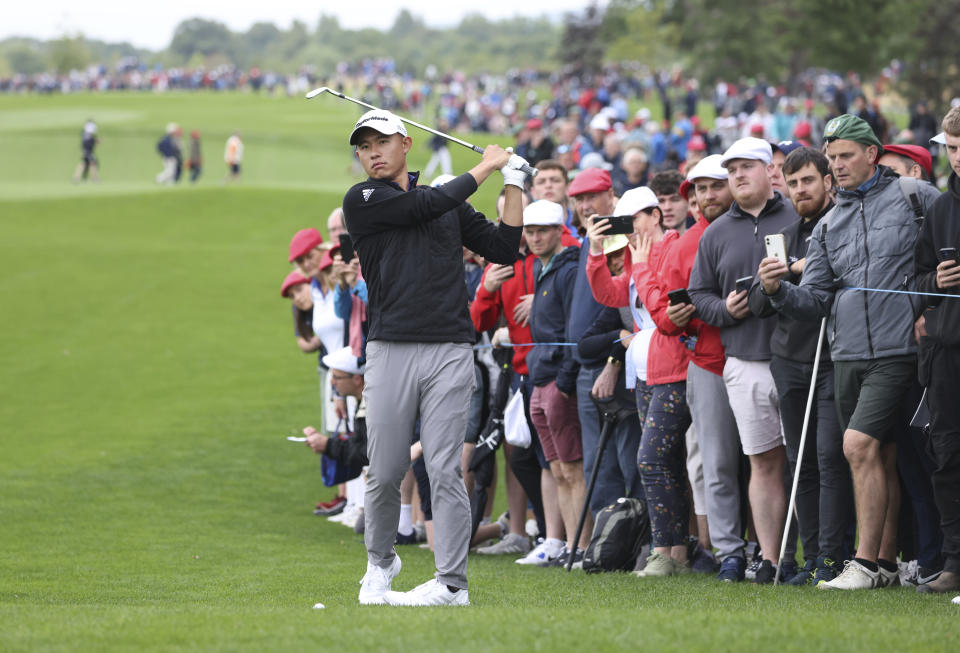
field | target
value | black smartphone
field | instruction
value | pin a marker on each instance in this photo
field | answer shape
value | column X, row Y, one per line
column 679, row 296
column 513, row 272
column 947, row 254
column 619, row 224
column 346, row 248
column 744, row 283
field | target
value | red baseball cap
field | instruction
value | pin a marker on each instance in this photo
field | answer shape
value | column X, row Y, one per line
column 293, row 279
column 915, row 152
column 591, row 180
column 696, row 142
column 303, row 241
column 756, row 129
column 802, row 130
column 327, row 259
column 534, row 123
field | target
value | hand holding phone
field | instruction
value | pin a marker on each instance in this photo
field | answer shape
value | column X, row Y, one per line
column 619, row 224
column 679, row 296
column 947, row 254
column 346, row 248
column 776, row 247
column 743, row 283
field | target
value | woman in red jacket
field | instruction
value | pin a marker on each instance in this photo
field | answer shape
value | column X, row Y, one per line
column 661, row 458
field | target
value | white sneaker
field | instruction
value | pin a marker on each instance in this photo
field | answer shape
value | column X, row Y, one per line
column 511, row 543
column 349, row 511
column 351, row 518
column 376, row 582
column 853, row 577
column 888, row 578
column 431, row 593
column 541, row 555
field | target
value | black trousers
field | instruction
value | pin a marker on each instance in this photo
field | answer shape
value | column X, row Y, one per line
column 825, row 508
column 942, row 377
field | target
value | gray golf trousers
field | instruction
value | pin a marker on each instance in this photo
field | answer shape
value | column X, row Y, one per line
column 404, row 380
column 719, row 442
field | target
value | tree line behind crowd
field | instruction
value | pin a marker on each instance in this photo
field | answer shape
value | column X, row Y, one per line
column 775, row 40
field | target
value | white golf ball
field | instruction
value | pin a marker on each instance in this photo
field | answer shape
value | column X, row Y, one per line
column 318, row 606
column 956, row 600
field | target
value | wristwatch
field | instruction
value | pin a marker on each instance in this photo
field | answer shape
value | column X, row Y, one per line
column 614, row 361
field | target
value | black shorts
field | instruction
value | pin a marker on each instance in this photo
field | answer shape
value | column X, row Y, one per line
column 235, row 168
column 870, row 394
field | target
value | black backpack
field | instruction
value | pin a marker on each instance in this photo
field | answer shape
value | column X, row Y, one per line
column 620, row 531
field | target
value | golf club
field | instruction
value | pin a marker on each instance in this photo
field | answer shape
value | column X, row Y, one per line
column 803, row 442
column 479, row 150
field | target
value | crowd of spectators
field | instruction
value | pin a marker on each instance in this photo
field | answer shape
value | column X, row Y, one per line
column 749, row 249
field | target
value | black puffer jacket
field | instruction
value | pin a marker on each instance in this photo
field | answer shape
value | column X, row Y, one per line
column 940, row 229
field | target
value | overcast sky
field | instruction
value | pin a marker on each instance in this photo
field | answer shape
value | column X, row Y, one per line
column 151, row 24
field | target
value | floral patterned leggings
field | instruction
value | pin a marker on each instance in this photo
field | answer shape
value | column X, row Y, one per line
column 661, row 460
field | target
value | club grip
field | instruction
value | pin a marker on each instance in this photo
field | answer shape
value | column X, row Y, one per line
column 530, row 170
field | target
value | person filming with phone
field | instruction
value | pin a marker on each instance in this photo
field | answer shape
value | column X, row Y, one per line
column 824, row 506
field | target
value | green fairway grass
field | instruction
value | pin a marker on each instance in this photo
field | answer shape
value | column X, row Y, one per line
column 148, row 497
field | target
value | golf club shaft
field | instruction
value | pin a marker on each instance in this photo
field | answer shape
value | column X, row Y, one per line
column 479, row 150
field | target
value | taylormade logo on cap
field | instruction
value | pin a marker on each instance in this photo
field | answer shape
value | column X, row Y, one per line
column 380, row 120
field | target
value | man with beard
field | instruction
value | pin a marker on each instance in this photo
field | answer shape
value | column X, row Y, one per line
column 824, row 507
column 729, row 253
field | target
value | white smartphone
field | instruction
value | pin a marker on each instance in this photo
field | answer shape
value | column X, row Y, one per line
column 776, row 247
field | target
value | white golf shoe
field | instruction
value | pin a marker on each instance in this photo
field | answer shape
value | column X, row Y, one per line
column 853, row 577
column 376, row 582
column 431, row 593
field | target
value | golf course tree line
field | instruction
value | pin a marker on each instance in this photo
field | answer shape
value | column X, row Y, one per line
column 700, row 36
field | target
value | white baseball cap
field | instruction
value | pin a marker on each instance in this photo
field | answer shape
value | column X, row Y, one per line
column 343, row 360
column 708, row 167
column 543, row 213
column 614, row 243
column 381, row 120
column 440, row 180
column 600, row 121
column 940, row 139
column 636, row 200
column 748, row 148
column 594, row 160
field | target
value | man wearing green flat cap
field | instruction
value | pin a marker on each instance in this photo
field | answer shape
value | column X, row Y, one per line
column 867, row 241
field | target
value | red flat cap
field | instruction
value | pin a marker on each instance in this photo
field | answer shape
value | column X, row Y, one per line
column 591, row 180
column 915, row 152
column 303, row 241
column 293, row 279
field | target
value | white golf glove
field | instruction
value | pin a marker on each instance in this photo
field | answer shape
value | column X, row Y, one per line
column 512, row 174
column 500, row 337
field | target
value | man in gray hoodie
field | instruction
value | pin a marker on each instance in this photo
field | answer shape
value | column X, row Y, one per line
column 727, row 257
column 865, row 243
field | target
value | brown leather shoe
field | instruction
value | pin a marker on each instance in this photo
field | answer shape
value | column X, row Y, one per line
column 947, row 582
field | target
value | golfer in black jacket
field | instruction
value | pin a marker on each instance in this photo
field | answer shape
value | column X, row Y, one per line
column 419, row 354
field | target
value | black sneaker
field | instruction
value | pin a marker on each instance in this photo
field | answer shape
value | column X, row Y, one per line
column 805, row 575
column 765, row 574
column 788, row 570
column 731, row 569
column 562, row 559
column 411, row 538
column 827, row 570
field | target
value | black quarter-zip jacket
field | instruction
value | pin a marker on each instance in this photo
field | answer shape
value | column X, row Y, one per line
column 410, row 248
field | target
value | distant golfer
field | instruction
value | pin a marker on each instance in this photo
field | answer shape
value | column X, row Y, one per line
column 233, row 156
column 409, row 240
column 169, row 149
column 88, row 166
column 195, row 161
